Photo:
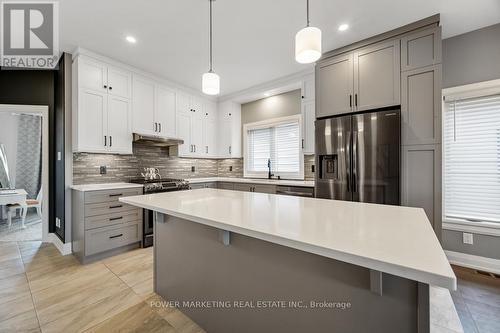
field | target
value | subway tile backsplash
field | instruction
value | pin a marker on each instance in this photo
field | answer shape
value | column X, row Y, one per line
column 122, row 168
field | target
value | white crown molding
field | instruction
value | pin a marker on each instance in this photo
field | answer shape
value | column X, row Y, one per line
column 280, row 85
column 175, row 85
column 64, row 248
column 471, row 261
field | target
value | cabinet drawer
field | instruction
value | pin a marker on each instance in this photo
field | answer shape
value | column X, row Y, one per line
column 106, row 208
column 104, row 239
column 242, row 187
column 225, row 186
column 100, row 221
column 110, row 195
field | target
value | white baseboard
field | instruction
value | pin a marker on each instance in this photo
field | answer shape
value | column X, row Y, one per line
column 64, row 248
column 475, row 262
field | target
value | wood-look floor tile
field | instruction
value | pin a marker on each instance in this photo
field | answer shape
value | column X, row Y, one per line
column 13, row 287
column 133, row 270
column 91, row 315
column 40, row 254
column 486, row 317
column 138, row 318
column 51, row 264
column 181, row 322
column 16, row 308
column 144, row 288
column 25, row 322
column 9, row 251
column 57, row 301
column 11, row 267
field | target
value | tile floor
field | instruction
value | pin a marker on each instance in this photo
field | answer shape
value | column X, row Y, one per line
column 14, row 233
column 477, row 301
column 42, row 291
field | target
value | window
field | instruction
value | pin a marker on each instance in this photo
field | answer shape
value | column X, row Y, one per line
column 277, row 140
column 471, row 151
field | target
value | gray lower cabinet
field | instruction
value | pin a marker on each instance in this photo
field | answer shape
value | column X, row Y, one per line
column 421, row 181
column 225, row 185
column 102, row 225
column 297, row 191
column 421, row 105
column 259, row 188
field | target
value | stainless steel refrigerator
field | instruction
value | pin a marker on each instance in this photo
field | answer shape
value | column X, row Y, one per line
column 358, row 157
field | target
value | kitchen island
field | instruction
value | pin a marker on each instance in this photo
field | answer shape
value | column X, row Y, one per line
column 253, row 262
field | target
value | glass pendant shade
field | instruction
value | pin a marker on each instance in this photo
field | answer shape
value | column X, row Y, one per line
column 308, row 45
column 210, row 83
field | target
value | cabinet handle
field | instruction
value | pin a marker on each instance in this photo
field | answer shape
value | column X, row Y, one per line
column 116, row 195
column 229, row 149
column 350, row 100
column 110, row 141
column 156, row 127
column 194, row 148
column 105, row 140
column 115, row 236
column 356, row 99
column 206, row 148
column 116, row 218
column 159, row 127
column 105, row 87
column 110, row 88
column 117, row 206
column 302, row 143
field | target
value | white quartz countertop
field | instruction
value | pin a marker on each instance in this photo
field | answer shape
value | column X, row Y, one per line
column 106, row 186
column 391, row 239
column 303, row 183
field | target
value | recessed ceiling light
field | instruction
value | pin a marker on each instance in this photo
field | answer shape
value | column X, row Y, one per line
column 131, row 39
column 343, row 27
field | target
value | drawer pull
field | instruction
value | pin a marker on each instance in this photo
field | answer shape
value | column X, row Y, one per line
column 116, row 195
column 115, row 236
column 116, row 218
column 117, row 206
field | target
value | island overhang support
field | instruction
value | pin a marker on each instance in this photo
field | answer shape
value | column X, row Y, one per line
column 376, row 282
column 226, row 237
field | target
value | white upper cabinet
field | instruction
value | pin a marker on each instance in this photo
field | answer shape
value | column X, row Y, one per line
column 101, row 116
column 165, row 111
column 308, row 119
column 229, row 130
column 210, row 129
column 119, row 82
column 143, row 106
column 308, row 92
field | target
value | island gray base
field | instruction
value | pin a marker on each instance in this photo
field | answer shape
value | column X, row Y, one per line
column 235, row 281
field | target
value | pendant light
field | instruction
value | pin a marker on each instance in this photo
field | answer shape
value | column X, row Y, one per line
column 308, row 43
column 210, row 82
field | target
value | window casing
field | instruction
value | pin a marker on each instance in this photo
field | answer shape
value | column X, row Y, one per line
column 278, row 140
column 471, row 156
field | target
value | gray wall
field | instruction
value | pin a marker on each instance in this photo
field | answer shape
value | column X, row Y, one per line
column 472, row 57
column 469, row 58
column 282, row 105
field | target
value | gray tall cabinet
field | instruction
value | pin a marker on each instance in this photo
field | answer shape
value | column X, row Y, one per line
column 400, row 67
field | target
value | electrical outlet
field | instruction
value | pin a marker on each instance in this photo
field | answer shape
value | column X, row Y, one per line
column 58, row 222
column 312, row 168
column 468, row 238
column 193, row 169
column 103, row 170
column 230, row 168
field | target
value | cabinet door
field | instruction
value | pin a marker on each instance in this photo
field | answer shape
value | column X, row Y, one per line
column 195, row 104
column 143, row 105
column 92, row 121
column 119, row 82
column 197, row 135
column 308, row 119
column 165, row 111
column 421, row 105
column 308, row 88
column 224, row 138
column 376, row 76
column 421, row 181
column 91, row 74
column 421, row 49
column 260, row 188
column 184, row 133
column 243, row 187
column 183, row 103
column 335, row 86
column 209, row 137
column 119, row 132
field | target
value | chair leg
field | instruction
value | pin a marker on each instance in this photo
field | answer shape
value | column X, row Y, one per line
column 9, row 217
column 39, row 211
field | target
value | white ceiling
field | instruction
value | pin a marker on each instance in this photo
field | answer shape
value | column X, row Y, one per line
column 253, row 39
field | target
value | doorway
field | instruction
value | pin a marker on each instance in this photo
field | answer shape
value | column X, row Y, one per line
column 24, row 173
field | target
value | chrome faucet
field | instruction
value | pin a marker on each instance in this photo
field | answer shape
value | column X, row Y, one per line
column 269, row 174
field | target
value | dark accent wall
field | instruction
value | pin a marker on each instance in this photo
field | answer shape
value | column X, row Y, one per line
column 37, row 87
column 472, row 57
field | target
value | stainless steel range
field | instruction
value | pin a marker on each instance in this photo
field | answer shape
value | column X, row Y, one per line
column 156, row 186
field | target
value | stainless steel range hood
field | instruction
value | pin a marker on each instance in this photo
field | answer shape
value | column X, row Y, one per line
column 156, row 140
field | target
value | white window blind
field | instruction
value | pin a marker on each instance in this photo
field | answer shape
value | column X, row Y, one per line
column 472, row 159
column 278, row 142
